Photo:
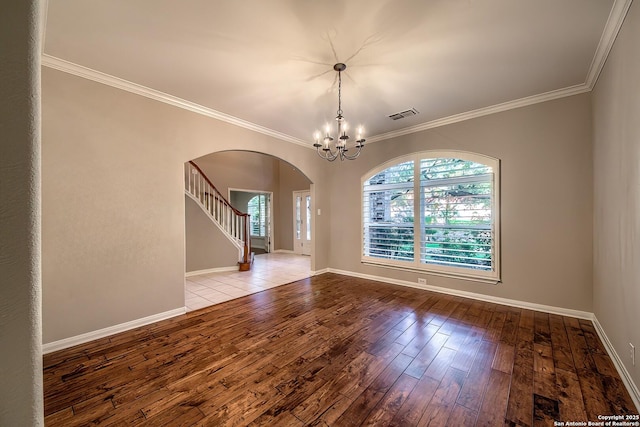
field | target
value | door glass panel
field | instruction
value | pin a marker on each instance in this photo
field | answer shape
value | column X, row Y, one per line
column 298, row 217
column 308, row 217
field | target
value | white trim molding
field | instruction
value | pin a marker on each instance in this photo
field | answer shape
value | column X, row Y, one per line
column 618, row 12
column 44, row 11
column 485, row 111
column 211, row 270
column 472, row 295
column 118, row 83
column 610, row 32
column 617, row 361
column 632, row 388
column 111, row 330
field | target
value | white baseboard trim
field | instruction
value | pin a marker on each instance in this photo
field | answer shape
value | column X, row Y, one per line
column 111, row 330
column 622, row 370
column 318, row 272
column 481, row 297
column 210, row 270
column 283, row 251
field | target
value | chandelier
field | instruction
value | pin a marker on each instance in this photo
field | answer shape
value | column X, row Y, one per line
column 325, row 146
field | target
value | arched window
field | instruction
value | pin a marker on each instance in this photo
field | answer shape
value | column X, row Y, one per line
column 257, row 208
column 434, row 211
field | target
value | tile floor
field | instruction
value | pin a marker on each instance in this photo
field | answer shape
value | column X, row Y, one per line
column 268, row 271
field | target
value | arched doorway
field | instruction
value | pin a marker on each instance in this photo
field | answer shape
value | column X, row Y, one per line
column 242, row 176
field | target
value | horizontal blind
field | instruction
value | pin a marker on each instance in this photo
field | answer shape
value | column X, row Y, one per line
column 257, row 210
column 456, row 207
column 388, row 223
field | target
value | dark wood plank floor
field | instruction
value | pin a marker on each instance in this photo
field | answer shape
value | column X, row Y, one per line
column 337, row 351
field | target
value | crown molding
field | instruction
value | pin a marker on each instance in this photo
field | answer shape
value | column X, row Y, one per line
column 611, row 29
column 485, row 111
column 116, row 82
column 44, row 11
column 614, row 23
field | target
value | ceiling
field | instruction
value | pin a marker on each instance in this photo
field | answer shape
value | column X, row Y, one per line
column 268, row 65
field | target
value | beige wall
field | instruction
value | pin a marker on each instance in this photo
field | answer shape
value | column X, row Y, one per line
column 546, row 191
column 20, row 296
column 205, row 245
column 243, row 170
column 616, row 113
column 113, row 201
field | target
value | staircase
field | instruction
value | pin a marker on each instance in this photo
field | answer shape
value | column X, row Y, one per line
column 233, row 223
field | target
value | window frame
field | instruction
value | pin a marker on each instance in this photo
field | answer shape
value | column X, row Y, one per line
column 491, row 276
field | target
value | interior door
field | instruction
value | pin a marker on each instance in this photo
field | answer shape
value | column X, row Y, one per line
column 302, row 222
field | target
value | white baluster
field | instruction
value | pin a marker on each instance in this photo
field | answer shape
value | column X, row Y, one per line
column 208, row 196
column 233, row 224
column 188, row 177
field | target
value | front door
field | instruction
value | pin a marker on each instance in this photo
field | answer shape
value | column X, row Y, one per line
column 302, row 222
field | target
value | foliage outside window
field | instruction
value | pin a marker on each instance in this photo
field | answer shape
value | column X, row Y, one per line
column 434, row 211
column 257, row 208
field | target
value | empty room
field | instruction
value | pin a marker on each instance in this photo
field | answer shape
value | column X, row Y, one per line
column 333, row 213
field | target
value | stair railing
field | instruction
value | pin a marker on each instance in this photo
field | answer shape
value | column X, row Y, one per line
column 232, row 222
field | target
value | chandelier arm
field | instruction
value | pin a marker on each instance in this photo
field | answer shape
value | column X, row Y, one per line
column 328, row 154
column 332, row 154
column 354, row 156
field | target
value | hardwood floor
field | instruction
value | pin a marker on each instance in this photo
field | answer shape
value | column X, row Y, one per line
column 333, row 350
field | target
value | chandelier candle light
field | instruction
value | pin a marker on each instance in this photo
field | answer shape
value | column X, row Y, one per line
column 325, row 147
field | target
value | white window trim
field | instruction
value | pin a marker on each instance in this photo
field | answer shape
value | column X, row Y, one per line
column 493, row 276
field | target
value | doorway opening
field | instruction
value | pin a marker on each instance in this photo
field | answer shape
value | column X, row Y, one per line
column 241, row 176
column 263, row 186
column 302, row 242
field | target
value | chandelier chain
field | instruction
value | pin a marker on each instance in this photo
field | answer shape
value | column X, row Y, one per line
column 329, row 148
column 339, row 93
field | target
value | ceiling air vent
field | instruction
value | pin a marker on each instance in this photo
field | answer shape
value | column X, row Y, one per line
column 403, row 114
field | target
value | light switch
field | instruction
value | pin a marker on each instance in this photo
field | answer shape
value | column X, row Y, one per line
column 319, row 212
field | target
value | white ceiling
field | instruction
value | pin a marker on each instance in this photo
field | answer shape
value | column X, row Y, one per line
column 270, row 63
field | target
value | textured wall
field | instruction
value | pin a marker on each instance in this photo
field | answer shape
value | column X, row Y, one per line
column 20, row 296
column 616, row 109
